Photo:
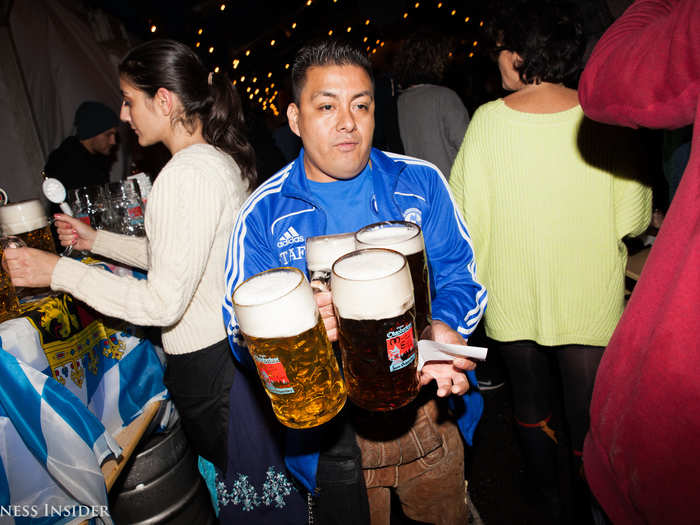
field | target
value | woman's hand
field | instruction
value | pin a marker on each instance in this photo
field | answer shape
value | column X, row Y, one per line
column 74, row 232
column 29, row 267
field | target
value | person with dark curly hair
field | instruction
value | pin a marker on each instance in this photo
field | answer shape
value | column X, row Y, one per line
column 548, row 196
column 432, row 118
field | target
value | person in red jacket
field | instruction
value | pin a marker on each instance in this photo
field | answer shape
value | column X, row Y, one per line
column 641, row 454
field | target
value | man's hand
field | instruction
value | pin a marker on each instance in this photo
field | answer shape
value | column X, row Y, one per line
column 449, row 376
column 324, row 300
column 29, row 267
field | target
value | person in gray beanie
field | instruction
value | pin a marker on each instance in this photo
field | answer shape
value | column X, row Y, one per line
column 85, row 159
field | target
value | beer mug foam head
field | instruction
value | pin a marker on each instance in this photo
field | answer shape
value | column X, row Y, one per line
column 322, row 251
column 404, row 237
column 373, row 283
column 275, row 303
column 22, row 217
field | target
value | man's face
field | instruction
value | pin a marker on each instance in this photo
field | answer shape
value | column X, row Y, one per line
column 102, row 143
column 335, row 120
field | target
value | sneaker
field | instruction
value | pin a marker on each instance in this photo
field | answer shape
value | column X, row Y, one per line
column 488, row 384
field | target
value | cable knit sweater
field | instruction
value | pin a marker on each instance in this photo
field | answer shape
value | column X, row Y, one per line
column 547, row 199
column 189, row 218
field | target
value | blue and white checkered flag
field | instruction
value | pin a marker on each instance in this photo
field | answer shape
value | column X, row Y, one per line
column 51, row 448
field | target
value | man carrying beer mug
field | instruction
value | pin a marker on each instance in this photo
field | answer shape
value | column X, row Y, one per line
column 339, row 184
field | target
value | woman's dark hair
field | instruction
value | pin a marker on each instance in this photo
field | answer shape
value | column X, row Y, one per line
column 210, row 98
column 547, row 36
column 422, row 59
column 326, row 53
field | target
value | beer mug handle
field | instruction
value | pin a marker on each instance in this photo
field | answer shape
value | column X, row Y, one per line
column 65, row 208
column 10, row 241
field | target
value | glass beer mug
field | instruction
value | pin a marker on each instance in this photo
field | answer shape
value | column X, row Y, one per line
column 375, row 308
column 28, row 221
column 279, row 319
column 321, row 252
column 407, row 238
column 9, row 302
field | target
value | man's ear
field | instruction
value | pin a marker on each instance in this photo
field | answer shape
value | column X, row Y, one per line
column 293, row 118
column 164, row 101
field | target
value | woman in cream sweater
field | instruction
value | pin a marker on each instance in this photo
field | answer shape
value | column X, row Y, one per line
column 169, row 97
column 548, row 196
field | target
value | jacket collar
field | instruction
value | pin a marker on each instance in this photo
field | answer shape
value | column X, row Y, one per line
column 385, row 174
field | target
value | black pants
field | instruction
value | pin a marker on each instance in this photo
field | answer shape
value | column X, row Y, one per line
column 529, row 368
column 199, row 383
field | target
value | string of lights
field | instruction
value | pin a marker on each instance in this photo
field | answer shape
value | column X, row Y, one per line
column 259, row 83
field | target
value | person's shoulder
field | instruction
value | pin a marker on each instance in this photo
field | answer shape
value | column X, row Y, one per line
column 488, row 108
column 413, row 167
column 269, row 194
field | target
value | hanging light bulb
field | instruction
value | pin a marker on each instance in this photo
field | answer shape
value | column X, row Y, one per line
column 222, row 6
column 153, row 28
column 211, row 49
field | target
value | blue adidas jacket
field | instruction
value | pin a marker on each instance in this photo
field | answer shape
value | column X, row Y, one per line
column 274, row 223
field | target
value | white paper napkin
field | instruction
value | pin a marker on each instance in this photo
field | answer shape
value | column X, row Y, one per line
column 433, row 351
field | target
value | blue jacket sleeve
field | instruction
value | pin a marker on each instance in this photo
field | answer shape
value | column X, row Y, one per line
column 249, row 252
column 459, row 299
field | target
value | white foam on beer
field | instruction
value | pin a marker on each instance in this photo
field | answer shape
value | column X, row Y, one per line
column 371, row 284
column 323, row 251
column 403, row 239
column 277, row 303
column 22, row 217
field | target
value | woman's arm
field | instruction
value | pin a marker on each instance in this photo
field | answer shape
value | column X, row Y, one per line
column 132, row 251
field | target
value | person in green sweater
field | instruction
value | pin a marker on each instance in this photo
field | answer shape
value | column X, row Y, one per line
column 548, row 196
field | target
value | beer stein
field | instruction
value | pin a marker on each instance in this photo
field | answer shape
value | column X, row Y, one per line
column 28, row 221
column 9, row 301
column 126, row 204
column 321, row 252
column 91, row 205
column 277, row 314
column 375, row 308
column 407, row 238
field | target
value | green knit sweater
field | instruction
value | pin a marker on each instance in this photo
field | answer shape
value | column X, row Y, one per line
column 547, row 199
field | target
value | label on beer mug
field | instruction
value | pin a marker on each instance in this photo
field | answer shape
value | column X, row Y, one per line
column 399, row 347
column 273, row 375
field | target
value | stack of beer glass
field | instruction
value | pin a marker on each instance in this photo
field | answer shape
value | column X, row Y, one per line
column 127, row 208
column 115, row 207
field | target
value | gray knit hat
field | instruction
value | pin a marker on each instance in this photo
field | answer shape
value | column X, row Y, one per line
column 92, row 118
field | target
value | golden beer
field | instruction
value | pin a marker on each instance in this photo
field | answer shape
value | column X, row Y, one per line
column 279, row 319
column 9, row 304
column 40, row 239
column 301, row 378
